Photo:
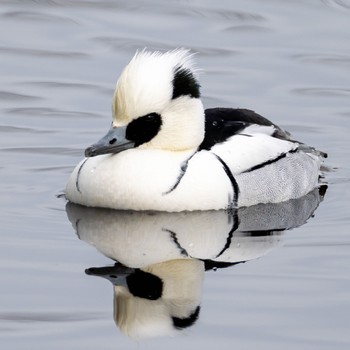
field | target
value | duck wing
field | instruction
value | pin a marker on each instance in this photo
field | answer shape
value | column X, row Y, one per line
column 223, row 123
column 246, row 141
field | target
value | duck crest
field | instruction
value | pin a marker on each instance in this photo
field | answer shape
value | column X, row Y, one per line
column 150, row 81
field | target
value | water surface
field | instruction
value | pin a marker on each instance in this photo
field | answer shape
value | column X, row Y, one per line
column 59, row 61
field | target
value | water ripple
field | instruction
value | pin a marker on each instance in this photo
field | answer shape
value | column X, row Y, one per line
column 247, row 28
column 49, row 112
column 70, row 85
column 176, row 8
column 17, row 129
column 322, row 91
column 35, row 16
column 41, row 52
column 117, row 43
column 44, row 150
column 13, row 96
column 54, row 169
column 343, row 4
column 52, row 316
column 228, row 15
column 330, row 59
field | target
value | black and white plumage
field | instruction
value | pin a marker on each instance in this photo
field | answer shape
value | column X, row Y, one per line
column 164, row 152
column 159, row 276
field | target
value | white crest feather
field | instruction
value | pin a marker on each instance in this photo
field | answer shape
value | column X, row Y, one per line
column 145, row 84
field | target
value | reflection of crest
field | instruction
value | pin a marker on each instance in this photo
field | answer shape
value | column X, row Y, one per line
column 161, row 257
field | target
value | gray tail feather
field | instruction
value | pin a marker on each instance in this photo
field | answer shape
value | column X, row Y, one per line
column 313, row 150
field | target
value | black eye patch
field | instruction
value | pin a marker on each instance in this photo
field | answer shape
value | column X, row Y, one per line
column 143, row 129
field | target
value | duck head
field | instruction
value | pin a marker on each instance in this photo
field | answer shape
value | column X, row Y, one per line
column 156, row 105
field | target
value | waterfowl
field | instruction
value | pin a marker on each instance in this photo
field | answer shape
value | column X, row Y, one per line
column 164, row 152
column 137, row 239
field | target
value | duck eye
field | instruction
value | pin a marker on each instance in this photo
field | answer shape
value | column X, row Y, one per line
column 217, row 123
column 151, row 117
column 144, row 128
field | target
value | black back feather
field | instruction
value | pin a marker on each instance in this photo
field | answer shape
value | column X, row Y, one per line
column 222, row 123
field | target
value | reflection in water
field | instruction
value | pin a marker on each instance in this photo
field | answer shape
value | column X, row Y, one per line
column 157, row 300
column 161, row 257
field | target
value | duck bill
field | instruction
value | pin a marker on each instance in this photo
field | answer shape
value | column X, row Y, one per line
column 116, row 274
column 113, row 142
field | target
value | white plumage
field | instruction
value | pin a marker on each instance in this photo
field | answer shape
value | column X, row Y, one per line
column 161, row 257
column 164, row 152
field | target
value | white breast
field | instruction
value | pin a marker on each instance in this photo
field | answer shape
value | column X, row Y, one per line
column 143, row 180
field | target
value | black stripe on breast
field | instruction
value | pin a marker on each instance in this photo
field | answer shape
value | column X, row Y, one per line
column 183, row 169
column 78, row 175
column 270, row 161
column 233, row 181
column 183, row 251
column 230, row 234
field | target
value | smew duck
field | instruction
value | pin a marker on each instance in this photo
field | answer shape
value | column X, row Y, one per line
column 164, row 152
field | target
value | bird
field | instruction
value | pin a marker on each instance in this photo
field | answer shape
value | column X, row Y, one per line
column 165, row 152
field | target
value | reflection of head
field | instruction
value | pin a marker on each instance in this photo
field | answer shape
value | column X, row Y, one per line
column 142, row 315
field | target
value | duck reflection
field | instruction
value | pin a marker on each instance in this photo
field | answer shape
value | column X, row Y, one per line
column 160, row 258
column 157, row 300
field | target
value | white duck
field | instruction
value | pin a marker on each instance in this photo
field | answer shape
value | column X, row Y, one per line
column 165, row 152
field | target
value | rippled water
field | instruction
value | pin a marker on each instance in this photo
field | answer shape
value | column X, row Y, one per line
column 59, row 61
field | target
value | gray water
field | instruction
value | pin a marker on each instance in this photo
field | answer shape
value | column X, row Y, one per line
column 59, row 61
